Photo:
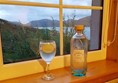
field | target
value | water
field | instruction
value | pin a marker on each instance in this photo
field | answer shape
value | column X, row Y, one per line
column 79, row 72
column 86, row 30
column 47, row 50
column 79, row 45
column 47, row 56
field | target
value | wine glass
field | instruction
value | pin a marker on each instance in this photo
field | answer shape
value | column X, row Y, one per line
column 47, row 49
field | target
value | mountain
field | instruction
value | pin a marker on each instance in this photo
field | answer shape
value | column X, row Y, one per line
column 55, row 23
column 44, row 23
column 85, row 21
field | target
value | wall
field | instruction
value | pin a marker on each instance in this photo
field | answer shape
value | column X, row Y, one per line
column 112, row 51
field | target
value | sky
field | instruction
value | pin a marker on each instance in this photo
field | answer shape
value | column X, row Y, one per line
column 77, row 2
column 24, row 14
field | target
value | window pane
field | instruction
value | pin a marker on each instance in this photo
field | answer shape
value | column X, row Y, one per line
column 84, row 2
column 92, row 21
column 22, row 27
column 41, row 1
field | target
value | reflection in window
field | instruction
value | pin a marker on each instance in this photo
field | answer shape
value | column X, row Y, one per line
column 92, row 29
column 23, row 27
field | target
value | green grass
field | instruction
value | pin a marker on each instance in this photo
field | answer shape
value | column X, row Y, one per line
column 21, row 43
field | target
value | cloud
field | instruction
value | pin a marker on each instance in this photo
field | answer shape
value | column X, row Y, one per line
column 12, row 13
column 26, row 13
column 78, row 2
column 80, row 13
column 3, row 14
column 41, row 1
column 43, row 13
column 29, row 13
column 72, row 2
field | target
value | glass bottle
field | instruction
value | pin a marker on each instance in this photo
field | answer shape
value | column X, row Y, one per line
column 79, row 48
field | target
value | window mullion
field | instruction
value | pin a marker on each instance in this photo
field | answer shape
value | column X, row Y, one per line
column 1, row 57
column 30, row 4
column 82, row 7
column 61, row 26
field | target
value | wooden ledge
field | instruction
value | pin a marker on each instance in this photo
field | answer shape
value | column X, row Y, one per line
column 99, row 72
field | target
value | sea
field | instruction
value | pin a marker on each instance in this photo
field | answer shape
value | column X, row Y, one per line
column 86, row 30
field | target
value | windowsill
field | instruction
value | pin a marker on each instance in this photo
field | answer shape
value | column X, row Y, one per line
column 98, row 71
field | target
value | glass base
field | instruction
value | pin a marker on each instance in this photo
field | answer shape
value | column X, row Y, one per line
column 79, row 73
column 48, row 77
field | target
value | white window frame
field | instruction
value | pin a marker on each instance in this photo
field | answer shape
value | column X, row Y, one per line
column 18, row 69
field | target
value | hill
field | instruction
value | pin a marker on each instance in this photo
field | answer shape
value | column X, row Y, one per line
column 55, row 23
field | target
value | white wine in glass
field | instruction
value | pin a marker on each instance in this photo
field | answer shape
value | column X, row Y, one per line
column 47, row 49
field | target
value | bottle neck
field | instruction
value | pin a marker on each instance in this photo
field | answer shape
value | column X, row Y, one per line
column 79, row 32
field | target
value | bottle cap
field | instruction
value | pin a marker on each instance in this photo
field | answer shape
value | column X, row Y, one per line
column 79, row 27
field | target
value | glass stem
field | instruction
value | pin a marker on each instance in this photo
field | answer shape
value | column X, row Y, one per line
column 47, row 69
